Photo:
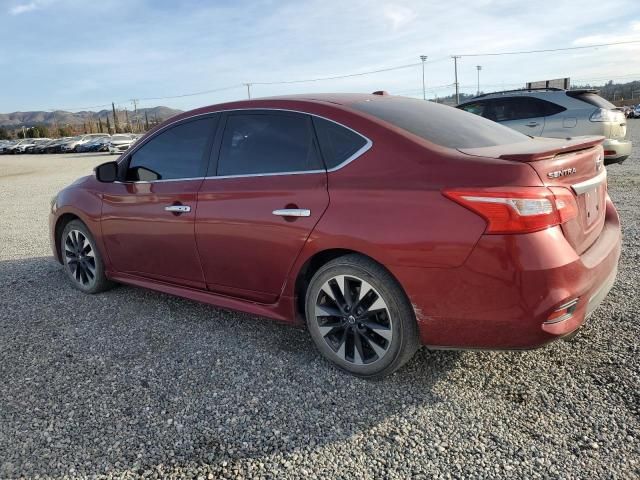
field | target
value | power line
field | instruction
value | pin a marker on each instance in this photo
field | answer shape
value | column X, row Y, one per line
column 359, row 74
column 337, row 77
column 204, row 92
column 547, row 49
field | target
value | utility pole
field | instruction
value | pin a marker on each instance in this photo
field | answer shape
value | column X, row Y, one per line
column 135, row 102
column 248, row 90
column 455, row 71
column 478, row 67
column 424, row 91
column 116, row 125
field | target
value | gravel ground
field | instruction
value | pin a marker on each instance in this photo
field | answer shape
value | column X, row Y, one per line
column 135, row 383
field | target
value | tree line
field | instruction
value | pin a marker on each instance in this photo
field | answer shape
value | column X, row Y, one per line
column 111, row 125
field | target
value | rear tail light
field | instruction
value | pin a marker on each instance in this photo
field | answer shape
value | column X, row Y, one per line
column 606, row 115
column 518, row 210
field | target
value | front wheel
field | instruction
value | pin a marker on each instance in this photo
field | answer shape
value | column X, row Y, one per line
column 81, row 259
column 360, row 318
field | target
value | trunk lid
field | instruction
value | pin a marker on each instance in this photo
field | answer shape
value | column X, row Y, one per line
column 575, row 164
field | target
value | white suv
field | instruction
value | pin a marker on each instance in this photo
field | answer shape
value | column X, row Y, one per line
column 551, row 112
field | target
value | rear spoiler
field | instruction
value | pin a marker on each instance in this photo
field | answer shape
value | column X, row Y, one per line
column 581, row 91
column 544, row 151
column 536, row 149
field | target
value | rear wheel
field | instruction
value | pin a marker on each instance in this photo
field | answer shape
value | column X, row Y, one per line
column 81, row 259
column 359, row 317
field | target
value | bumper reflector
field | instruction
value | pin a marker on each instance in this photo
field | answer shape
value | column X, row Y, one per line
column 563, row 312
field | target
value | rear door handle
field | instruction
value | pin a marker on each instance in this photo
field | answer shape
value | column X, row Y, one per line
column 178, row 208
column 292, row 212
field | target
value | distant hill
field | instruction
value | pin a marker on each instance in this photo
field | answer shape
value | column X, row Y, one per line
column 60, row 117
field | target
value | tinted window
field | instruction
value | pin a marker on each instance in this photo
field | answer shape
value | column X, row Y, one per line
column 592, row 99
column 337, row 143
column 175, row 153
column 478, row 108
column 256, row 143
column 518, row 108
column 505, row 109
column 440, row 124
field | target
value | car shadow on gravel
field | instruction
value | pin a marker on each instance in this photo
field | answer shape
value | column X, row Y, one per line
column 131, row 379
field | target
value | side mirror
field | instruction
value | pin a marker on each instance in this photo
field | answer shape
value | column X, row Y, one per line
column 107, row 172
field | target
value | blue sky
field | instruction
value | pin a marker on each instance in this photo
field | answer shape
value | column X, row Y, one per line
column 66, row 54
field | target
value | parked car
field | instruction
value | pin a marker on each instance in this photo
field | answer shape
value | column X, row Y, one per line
column 636, row 111
column 20, row 146
column 120, row 143
column 74, row 144
column 384, row 222
column 42, row 146
column 5, row 144
column 98, row 144
column 36, row 143
column 557, row 113
column 56, row 146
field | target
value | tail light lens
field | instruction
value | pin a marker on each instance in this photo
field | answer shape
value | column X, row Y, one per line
column 606, row 115
column 518, row 210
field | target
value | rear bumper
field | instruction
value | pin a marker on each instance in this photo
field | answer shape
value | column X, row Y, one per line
column 616, row 151
column 504, row 294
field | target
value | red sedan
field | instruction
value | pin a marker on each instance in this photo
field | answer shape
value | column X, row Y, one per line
column 383, row 223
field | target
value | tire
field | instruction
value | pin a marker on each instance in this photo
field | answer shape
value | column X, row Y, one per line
column 370, row 334
column 81, row 259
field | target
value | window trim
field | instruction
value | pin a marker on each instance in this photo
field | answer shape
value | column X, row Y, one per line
column 367, row 146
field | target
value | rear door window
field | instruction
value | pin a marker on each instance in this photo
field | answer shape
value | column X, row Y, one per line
column 519, row 108
column 478, row 108
column 268, row 143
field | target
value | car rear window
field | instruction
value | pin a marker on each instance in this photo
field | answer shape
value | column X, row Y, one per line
column 440, row 124
column 593, row 99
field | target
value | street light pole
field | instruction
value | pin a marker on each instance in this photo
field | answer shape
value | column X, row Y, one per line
column 424, row 91
column 479, row 67
column 248, row 90
column 455, row 70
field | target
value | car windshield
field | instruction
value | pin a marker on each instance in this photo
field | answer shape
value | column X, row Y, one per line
column 441, row 124
column 120, row 137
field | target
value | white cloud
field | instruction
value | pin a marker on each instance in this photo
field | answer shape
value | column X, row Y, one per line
column 398, row 15
column 23, row 8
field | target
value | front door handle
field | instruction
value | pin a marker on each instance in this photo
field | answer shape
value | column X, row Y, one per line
column 292, row 212
column 178, row 208
column 532, row 124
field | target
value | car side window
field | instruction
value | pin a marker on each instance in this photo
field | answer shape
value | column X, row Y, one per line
column 550, row 108
column 478, row 108
column 505, row 109
column 260, row 143
column 337, row 143
column 178, row 152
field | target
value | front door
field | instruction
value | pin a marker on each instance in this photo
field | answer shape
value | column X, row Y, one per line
column 255, row 215
column 148, row 218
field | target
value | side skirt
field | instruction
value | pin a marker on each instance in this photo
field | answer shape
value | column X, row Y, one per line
column 281, row 311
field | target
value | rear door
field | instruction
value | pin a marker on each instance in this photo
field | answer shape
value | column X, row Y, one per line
column 148, row 218
column 266, row 190
column 523, row 114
